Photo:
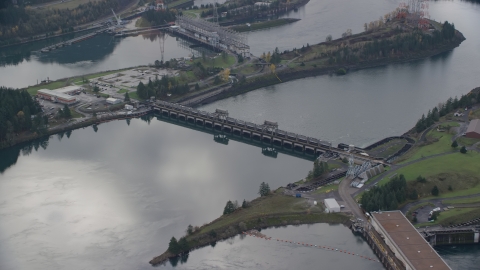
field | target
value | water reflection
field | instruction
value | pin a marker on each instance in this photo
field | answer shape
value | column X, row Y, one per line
column 221, row 137
column 460, row 257
column 246, row 252
column 9, row 156
column 113, row 199
column 95, row 49
column 13, row 55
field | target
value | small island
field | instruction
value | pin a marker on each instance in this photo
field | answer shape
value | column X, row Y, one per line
column 271, row 209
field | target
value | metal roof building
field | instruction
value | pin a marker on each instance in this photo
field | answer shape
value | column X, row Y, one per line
column 331, row 205
column 56, row 96
column 473, row 130
column 406, row 242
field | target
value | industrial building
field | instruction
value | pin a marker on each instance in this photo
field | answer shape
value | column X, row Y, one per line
column 55, row 96
column 212, row 34
column 406, row 242
column 113, row 101
column 331, row 206
column 473, row 130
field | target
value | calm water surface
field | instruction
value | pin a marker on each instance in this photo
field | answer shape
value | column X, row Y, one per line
column 99, row 200
column 367, row 105
column 112, row 199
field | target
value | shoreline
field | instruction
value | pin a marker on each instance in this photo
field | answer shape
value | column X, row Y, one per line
column 266, row 80
column 241, row 221
column 286, row 75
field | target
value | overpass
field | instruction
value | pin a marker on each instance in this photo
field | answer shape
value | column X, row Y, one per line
column 267, row 133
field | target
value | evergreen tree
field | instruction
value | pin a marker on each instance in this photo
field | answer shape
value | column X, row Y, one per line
column 229, row 208
column 435, row 191
column 66, row 112
column 183, row 245
column 414, row 195
column 244, row 204
column 189, row 229
column 463, row 150
column 455, row 144
column 173, row 246
column 264, row 189
column 127, row 97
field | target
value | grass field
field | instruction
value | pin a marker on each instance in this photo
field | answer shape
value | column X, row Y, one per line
column 441, row 142
column 186, row 77
column 176, row 3
column 387, row 149
column 134, row 95
column 194, row 12
column 326, row 189
column 460, row 171
column 123, row 90
column 272, row 205
column 467, row 141
column 463, row 201
column 75, row 114
column 69, row 4
column 53, row 85
column 96, row 75
column 218, row 61
column 246, row 70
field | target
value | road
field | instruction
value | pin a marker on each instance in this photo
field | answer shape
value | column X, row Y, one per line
column 348, row 199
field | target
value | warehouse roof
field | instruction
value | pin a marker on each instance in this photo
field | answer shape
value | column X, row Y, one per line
column 56, row 94
column 68, row 89
column 408, row 241
column 474, row 126
column 331, row 203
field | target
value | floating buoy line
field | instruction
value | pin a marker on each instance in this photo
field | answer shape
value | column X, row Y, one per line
column 257, row 234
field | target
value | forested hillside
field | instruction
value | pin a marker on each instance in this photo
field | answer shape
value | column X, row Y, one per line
column 20, row 22
column 16, row 110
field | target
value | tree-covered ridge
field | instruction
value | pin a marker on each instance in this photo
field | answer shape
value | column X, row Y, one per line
column 386, row 197
column 20, row 22
column 443, row 109
column 16, row 110
column 159, row 17
column 160, row 88
column 399, row 45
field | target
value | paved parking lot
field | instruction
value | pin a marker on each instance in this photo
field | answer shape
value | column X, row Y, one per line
column 129, row 79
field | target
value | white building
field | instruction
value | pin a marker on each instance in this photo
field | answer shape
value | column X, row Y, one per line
column 128, row 107
column 331, row 205
column 113, row 101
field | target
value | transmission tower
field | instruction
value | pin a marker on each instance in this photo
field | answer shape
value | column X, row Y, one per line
column 418, row 13
column 215, row 14
column 161, row 40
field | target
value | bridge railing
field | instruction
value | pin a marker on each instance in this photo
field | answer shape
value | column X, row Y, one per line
column 294, row 137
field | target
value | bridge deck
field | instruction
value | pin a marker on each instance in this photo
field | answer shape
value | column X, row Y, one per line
column 261, row 132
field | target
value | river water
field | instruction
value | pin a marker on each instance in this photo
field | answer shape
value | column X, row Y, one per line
column 96, row 200
column 368, row 105
column 100, row 200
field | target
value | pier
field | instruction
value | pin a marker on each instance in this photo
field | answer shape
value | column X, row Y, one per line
column 267, row 133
